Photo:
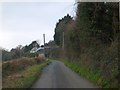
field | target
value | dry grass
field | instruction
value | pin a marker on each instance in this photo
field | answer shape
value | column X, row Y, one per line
column 25, row 78
column 21, row 72
column 14, row 66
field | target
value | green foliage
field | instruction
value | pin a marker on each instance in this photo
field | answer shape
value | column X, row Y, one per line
column 91, row 40
column 60, row 28
column 98, row 20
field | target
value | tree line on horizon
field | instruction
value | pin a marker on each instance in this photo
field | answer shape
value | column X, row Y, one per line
column 19, row 51
column 24, row 51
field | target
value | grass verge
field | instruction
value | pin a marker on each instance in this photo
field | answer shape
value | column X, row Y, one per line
column 93, row 76
column 25, row 78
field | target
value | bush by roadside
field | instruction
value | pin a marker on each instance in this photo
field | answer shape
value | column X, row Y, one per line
column 22, row 73
column 14, row 66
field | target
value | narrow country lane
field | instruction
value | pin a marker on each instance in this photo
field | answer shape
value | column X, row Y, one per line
column 57, row 75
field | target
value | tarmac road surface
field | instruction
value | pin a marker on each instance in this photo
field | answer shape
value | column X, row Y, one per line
column 57, row 75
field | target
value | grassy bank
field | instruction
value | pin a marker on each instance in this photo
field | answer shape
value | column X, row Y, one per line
column 85, row 72
column 97, row 63
column 24, row 78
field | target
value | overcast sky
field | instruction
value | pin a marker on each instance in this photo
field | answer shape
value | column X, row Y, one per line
column 23, row 22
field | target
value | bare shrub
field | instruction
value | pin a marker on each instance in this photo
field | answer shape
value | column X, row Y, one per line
column 14, row 66
column 40, row 58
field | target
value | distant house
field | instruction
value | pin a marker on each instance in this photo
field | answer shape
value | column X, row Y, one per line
column 40, row 50
column 46, row 51
column 37, row 50
column 33, row 50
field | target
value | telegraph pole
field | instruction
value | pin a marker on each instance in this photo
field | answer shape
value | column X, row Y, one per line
column 44, row 42
column 63, row 41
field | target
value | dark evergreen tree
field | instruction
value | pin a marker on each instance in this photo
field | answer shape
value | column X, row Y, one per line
column 60, row 27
